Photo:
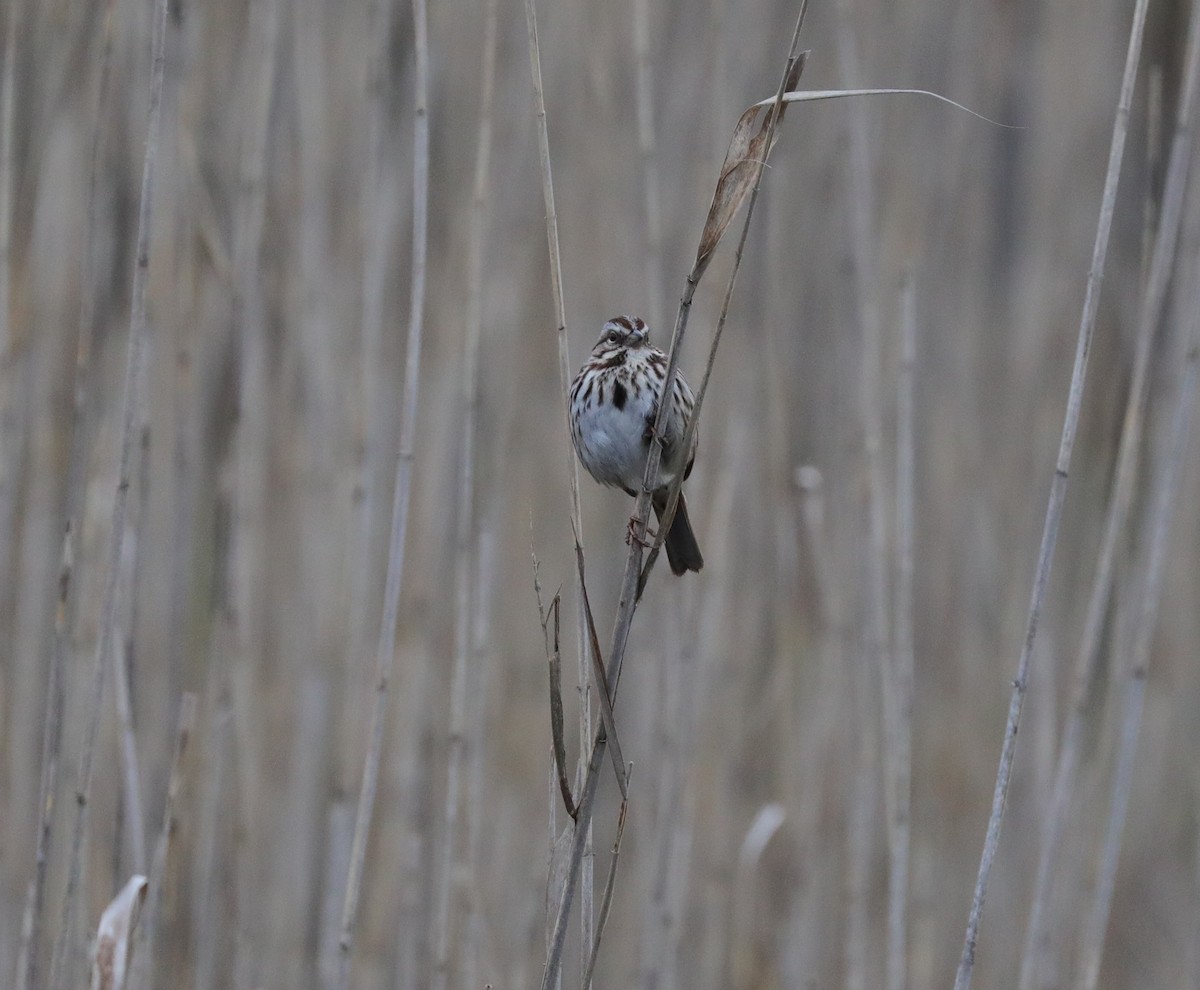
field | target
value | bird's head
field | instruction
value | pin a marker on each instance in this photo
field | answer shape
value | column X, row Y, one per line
column 624, row 331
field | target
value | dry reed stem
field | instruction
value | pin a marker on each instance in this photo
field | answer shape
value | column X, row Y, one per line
column 554, row 659
column 12, row 432
column 385, row 655
column 634, row 578
column 1164, row 498
column 769, row 820
column 124, row 665
column 478, row 818
column 131, row 787
column 704, row 628
column 1040, row 936
column 214, row 805
column 877, row 640
column 565, row 377
column 139, row 333
column 466, row 587
column 143, row 959
column 740, row 177
column 1154, row 125
column 557, row 933
column 68, row 598
column 648, row 157
column 250, row 466
column 1058, row 490
column 903, row 658
column 606, row 898
column 602, row 692
column 115, row 934
column 377, row 210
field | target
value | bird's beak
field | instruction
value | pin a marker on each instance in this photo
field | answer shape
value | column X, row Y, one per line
column 639, row 336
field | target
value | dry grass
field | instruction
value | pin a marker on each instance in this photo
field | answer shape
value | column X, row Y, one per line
column 278, row 300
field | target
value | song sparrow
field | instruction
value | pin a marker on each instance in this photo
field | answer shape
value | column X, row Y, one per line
column 614, row 402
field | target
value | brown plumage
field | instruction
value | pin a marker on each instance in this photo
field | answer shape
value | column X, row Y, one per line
column 613, row 404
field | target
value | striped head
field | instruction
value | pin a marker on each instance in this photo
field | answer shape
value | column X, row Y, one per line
column 622, row 333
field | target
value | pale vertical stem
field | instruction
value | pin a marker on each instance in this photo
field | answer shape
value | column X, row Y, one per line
column 210, row 935
column 553, row 864
column 251, row 521
column 482, row 653
column 648, row 154
column 876, row 645
column 61, row 971
column 1154, row 122
column 12, row 439
column 466, row 571
column 385, row 655
column 565, row 377
column 1058, row 491
column 864, row 739
column 669, row 680
column 1041, row 937
column 337, row 861
column 1164, row 500
column 131, row 788
column 252, row 441
column 377, row 216
column 143, row 957
column 900, row 831
column 702, row 649
column 68, row 598
column 378, row 213
column 124, row 660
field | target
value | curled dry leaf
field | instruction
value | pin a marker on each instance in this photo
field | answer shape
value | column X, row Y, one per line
column 747, row 148
column 114, row 936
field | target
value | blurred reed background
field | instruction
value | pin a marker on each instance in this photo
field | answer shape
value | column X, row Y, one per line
column 755, row 853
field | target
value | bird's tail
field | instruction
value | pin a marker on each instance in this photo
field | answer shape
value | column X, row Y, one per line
column 683, row 552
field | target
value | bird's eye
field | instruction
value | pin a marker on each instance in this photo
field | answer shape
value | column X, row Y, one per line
column 613, row 336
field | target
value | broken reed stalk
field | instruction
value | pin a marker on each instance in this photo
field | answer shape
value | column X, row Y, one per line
column 1164, row 499
column 739, row 180
column 61, row 974
column 64, row 614
column 565, row 376
column 466, row 571
column 1040, row 940
column 1058, row 490
column 554, row 659
column 385, row 654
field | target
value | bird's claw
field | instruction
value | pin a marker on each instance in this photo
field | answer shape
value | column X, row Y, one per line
column 644, row 538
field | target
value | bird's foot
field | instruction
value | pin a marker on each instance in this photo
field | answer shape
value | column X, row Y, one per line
column 637, row 532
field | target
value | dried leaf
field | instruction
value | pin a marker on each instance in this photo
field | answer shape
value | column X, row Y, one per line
column 747, row 148
column 114, row 936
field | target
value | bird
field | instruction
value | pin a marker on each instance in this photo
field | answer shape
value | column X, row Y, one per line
column 613, row 404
